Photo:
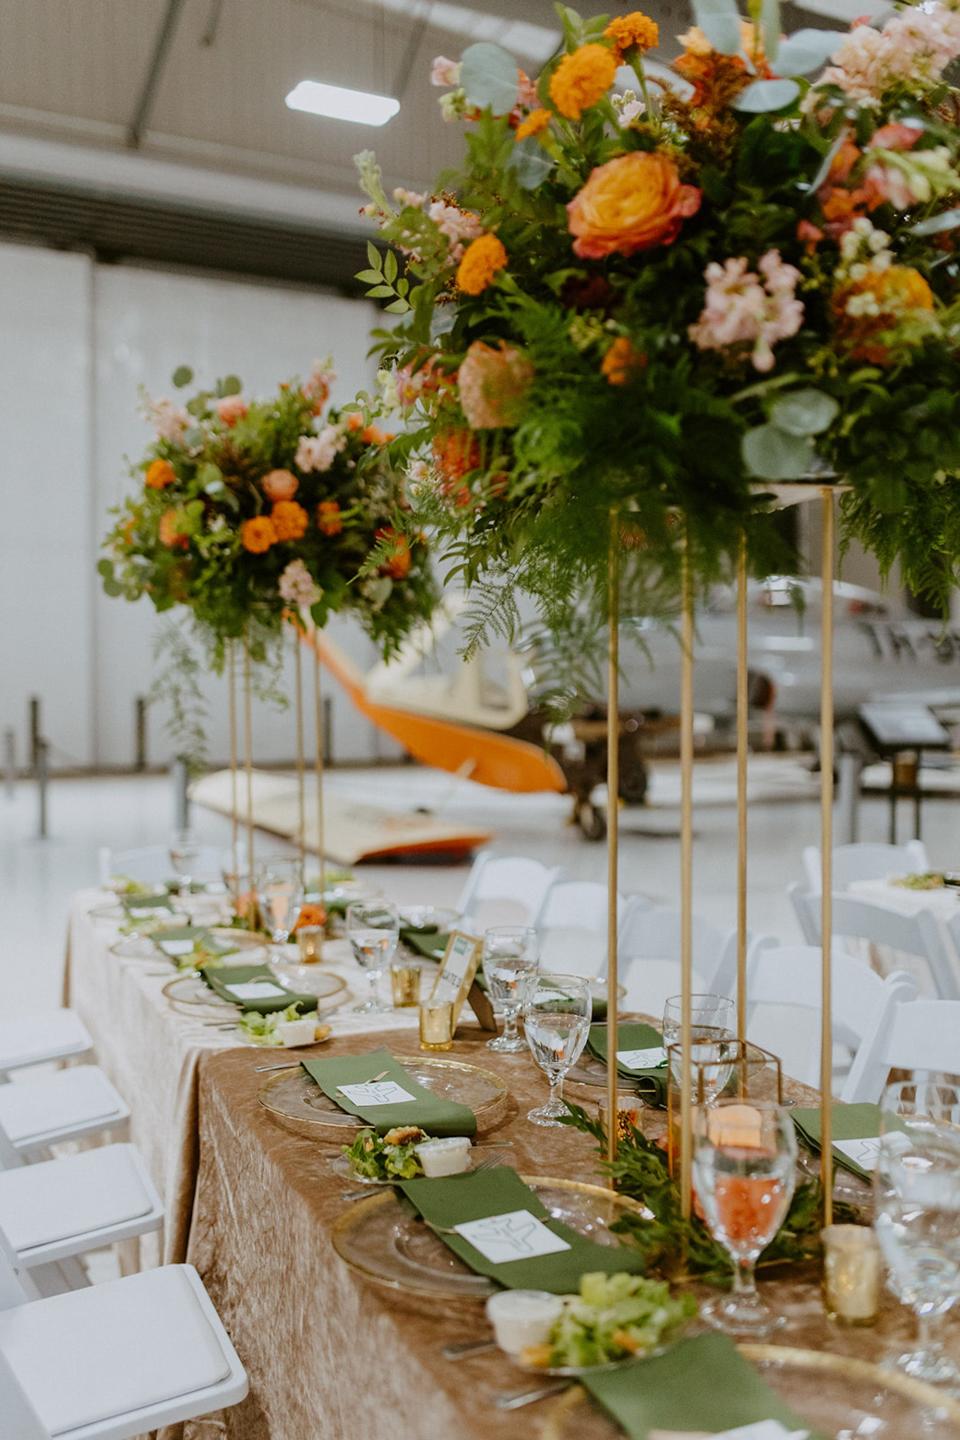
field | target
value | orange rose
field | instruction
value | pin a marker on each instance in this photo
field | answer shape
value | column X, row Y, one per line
column 482, row 259
column 535, row 122
column 170, row 533
column 398, row 565
column 290, row 520
column 258, row 534
column 328, row 518
column 581, row 79
column 311, row 915
column 280, row 485
column 160, row 474
column 622, row 361
column 629, row 33
column 631, row 203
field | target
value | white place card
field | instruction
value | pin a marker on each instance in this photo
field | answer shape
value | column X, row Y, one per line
column 376, row 1092
column 517, row 1235
column 863, row 1152
column 762, row 1430
column 650, row 1059
column 176, row 947
column 257, row 990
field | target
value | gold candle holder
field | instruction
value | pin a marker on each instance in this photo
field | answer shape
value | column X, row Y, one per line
column 436, row 1025
column 721, row 1068
column 629, row 1110
column 405, row 983
column 851, row 1274
column 310, row 944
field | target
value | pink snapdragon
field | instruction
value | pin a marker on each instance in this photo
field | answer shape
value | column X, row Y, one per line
column 318, row 452
column 459, row 226
column 744, row 308
column 297, row 586
column 445, row 72
column 170, row 421
column 913, row 48
column 317, row 385
column 230, row 409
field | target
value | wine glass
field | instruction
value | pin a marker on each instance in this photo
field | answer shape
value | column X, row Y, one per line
column 744, row 1164
column 280, row 894
column 712, row 1019
column 373, row 929
column 510, row 958
column 235, row 869
column 916, row 1186
column 184, row 854
column 556, row 1019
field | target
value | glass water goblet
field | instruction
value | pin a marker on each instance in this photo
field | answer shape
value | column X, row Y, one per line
column 184, row 854
column 712, row 1022
column 373, row 929
column 556, row 1020
column 510, row 959
column 280, row 895
column 916, row 1187
column 744, row 1164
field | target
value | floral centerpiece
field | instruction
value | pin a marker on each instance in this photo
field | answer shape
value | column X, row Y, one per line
column 650, row 291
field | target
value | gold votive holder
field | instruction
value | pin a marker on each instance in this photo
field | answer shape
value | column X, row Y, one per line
column 721, row 1068
column 436, row 1025
column 405, row 983
column 310, row 944
column 629, row 1108
column 851, row 1274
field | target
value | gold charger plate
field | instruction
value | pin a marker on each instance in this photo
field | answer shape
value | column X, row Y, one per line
column 193, row 996
column 838, row 1395
column 384, row 1239
column 298, row 1103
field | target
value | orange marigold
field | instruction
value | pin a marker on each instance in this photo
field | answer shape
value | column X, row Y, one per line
column 373, row 435
column 897, row 291
column 482, row 259
column 290, row 520
column 582, row 78
column 399, row 562
column 628, row 33
column 456, row 453
column 170, row 533
column 160, row 474
column 258, row 534
column 535, row 122
column 354, row 421
column 328, row 518
column 622, row 361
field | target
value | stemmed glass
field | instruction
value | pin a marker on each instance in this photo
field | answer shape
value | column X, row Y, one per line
column 712, row 1019
column 510, row 958
column 184, row 854
column 916, row 1187
column 556, row 1020
column 744, row 1163
column 280, row 894
column 373, row 929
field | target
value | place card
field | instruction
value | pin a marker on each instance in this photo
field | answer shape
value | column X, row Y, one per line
column 517, row 1235
column 650, row 1059
column 376, row 1092
column 759, row 1430
column 458, row 970
column 257, row 990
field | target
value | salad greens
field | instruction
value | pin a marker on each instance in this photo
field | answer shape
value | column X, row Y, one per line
column 613, row 1318
column 921, row 880
column 387, row 1157
column 262, row 1029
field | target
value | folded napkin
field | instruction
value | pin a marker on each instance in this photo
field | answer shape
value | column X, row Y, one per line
column 133, row 904
column 702, row 1384
column 651, row 1080
column 428, row 940
column 380, row 1103
column 514, row 1227
column 254, row 987
column 849, row 1123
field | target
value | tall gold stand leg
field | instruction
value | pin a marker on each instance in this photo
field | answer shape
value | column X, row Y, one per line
column 613, row 821
column 298, row 688
column 318, row 727
column 686, row 878
column 232, row 708
column 827, row 562
column 742, row 739
column 248, row 748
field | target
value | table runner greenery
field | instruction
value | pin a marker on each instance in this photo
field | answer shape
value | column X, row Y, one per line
column 223, row 979
column 499, row 1191
column 701, row 1384
column 432, row 1113
column 651, row 1082
column 849, row 1122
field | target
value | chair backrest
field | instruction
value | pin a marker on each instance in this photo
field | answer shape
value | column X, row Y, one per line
column 865, row 862
column 19, row 1419
column 573, row 928
column 512, row 880
column 808, row 915
column 652, row 932
column 151, row 864
column 789, row 977
column 14, row 1288
column 10, row 1157
column 917, row 934
column 924, row 1035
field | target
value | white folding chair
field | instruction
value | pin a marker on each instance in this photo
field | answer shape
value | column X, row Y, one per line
column 151, row 864
column 806, row 918
column 44, row 1110
column 916, row 935
column 866, row 862
column 649, row 956
column 789, row 977
column 573, row 928
column 922, row 1036
column 38, row 1039
column 505, row 890
column 113, row 1361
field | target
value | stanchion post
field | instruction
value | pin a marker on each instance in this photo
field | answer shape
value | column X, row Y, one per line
column 613, row 821
column 298, row 687
column 743, row 716
column 248, row 750
column 686, row 877
column 827, row 562
column 319, row 730
column 234, row 797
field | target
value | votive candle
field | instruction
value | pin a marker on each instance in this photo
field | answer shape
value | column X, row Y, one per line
column 851, row 1274
column 405, row 983
column 310, row 943
column 436, row 1025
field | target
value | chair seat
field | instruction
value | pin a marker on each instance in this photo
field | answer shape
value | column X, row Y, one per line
column 54, row 1035
column 68, row 1102
column 78, row 1195
column 92, row 1355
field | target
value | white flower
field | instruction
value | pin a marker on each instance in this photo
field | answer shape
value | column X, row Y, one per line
column 318, row 452
column 297, row 586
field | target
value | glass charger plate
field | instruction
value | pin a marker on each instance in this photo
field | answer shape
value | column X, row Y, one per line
column 299, row 1104
column 841, row 1397
column 342, row 1167
column 384, row 1239
column 189, row 992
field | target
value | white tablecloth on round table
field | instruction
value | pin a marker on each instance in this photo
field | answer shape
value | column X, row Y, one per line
column 943, row 904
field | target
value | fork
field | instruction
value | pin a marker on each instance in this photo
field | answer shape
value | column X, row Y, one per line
column 530, row 1397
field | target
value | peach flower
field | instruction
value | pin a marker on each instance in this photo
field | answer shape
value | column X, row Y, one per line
column 280, row 485
column 230, row 409
column 493, row 385
column 160, row 474
column 631, row 203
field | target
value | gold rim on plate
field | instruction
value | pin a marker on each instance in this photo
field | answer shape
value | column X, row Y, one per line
column 466, row 1285
column 570, row 1406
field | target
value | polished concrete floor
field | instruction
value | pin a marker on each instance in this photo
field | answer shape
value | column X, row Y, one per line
column 38, row 876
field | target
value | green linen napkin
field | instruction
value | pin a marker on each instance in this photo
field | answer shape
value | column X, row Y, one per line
column 701, row 1384
column 429, row 1111
column 428, row 940
column 224, row 980
column 849, row 1122
column 498, row 1191
column 134, row 903
column 652, row 1082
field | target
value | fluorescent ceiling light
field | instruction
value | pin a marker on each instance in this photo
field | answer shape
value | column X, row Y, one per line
column 359, row 106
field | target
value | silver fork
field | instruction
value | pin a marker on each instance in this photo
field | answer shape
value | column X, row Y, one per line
column 530, row 1397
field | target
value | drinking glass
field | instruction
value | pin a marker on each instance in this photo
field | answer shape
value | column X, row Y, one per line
column 184, row 854
column 235, row 870
column 712, row 1022
column 280, row 893
column 510, row 958
column 744, row 1163
column 916, row 1186
column 373, row 929
column 556, row 1019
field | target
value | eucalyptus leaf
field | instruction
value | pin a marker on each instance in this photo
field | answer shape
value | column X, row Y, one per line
column 773, row 454
column 530, row 162
column 182, row 376
column 720, row 22
column 105, row 568
column 946, row 220
column 804, row 412
column 766, row 95
column 111, row 587
column 770, row 31
column 489, row 77
column 806, row 50
column 230, row 385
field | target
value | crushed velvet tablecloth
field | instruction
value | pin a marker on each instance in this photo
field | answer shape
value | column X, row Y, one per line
column 332, row 1356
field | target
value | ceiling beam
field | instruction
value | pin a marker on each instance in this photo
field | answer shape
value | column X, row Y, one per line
column 158, row 60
